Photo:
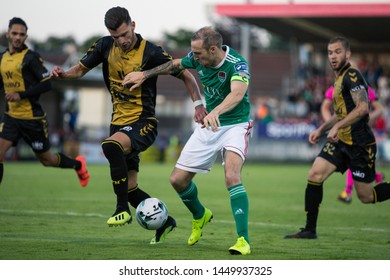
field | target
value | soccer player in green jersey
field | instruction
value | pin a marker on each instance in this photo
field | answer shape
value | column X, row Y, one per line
column 224, row 75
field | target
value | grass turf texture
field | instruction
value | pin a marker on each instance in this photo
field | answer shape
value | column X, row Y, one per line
column 46, row 215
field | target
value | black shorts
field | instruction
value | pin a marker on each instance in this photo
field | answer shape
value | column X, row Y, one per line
column 359, row 159
column 142, row 134
column 34, row 132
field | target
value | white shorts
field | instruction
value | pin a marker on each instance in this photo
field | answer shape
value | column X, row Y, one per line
column 201, row 150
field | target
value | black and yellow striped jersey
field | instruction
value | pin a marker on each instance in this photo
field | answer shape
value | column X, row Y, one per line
column 128, row 107
column 349, row 81
column 24, row 72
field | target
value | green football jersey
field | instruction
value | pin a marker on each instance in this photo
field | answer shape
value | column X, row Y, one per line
column 216, row 84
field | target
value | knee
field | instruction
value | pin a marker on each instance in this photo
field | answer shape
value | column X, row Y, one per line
column 179, row 183
column 48, row 159
column 111, row 148
column 232, row 179
column 46, row 163
column 365, row 198
column 315, row 175
column 175, row 182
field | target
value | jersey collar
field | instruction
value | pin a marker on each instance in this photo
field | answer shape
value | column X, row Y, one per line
column 226, row 49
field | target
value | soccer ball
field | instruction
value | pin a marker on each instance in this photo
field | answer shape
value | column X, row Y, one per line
column 151, row 213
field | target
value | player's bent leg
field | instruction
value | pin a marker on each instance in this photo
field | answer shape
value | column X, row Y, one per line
column 368, row 193
column 364, row 192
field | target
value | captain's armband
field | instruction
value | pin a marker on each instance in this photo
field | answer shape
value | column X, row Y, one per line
column 240, row 79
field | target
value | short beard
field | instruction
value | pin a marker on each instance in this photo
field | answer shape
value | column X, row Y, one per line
column 342, row 64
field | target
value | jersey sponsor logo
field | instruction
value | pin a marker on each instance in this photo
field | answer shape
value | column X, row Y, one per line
column 359, row 87
column 212, row 92
column 126, row 128
column 8, row 74
column 221, row 76
column 123, row 97
column 242, row 66
column 46, row 75
column 12, row 85
column 359, row 174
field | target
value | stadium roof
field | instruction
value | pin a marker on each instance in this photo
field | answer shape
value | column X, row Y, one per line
column 367, row 26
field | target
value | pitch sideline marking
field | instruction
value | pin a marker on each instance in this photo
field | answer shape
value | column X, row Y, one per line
column 76, row 214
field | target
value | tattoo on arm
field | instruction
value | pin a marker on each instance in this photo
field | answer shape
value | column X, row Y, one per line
column 360, row 96
column 167, row 68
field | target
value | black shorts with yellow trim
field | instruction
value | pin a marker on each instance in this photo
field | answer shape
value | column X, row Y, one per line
column 142, row 134
column 33, row 131
column 360, row 159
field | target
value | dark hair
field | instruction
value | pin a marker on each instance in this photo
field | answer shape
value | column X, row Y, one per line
column 342, row 40
column 17, row 20
column 115, row 17
column 209, row 36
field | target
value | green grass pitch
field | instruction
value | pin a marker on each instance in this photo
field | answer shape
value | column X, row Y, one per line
column 46, row 215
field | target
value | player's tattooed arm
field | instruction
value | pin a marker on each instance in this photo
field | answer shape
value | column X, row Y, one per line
column 135, row 79
column 170, row 67
column 360, row 98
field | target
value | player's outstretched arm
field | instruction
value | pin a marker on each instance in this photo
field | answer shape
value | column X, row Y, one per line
column 75, row 72
column 135, row 79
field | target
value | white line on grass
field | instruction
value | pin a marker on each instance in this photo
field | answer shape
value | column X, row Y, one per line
column 76, row 214
column 32, row 212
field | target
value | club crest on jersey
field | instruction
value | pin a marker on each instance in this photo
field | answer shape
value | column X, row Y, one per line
column 221, row 76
